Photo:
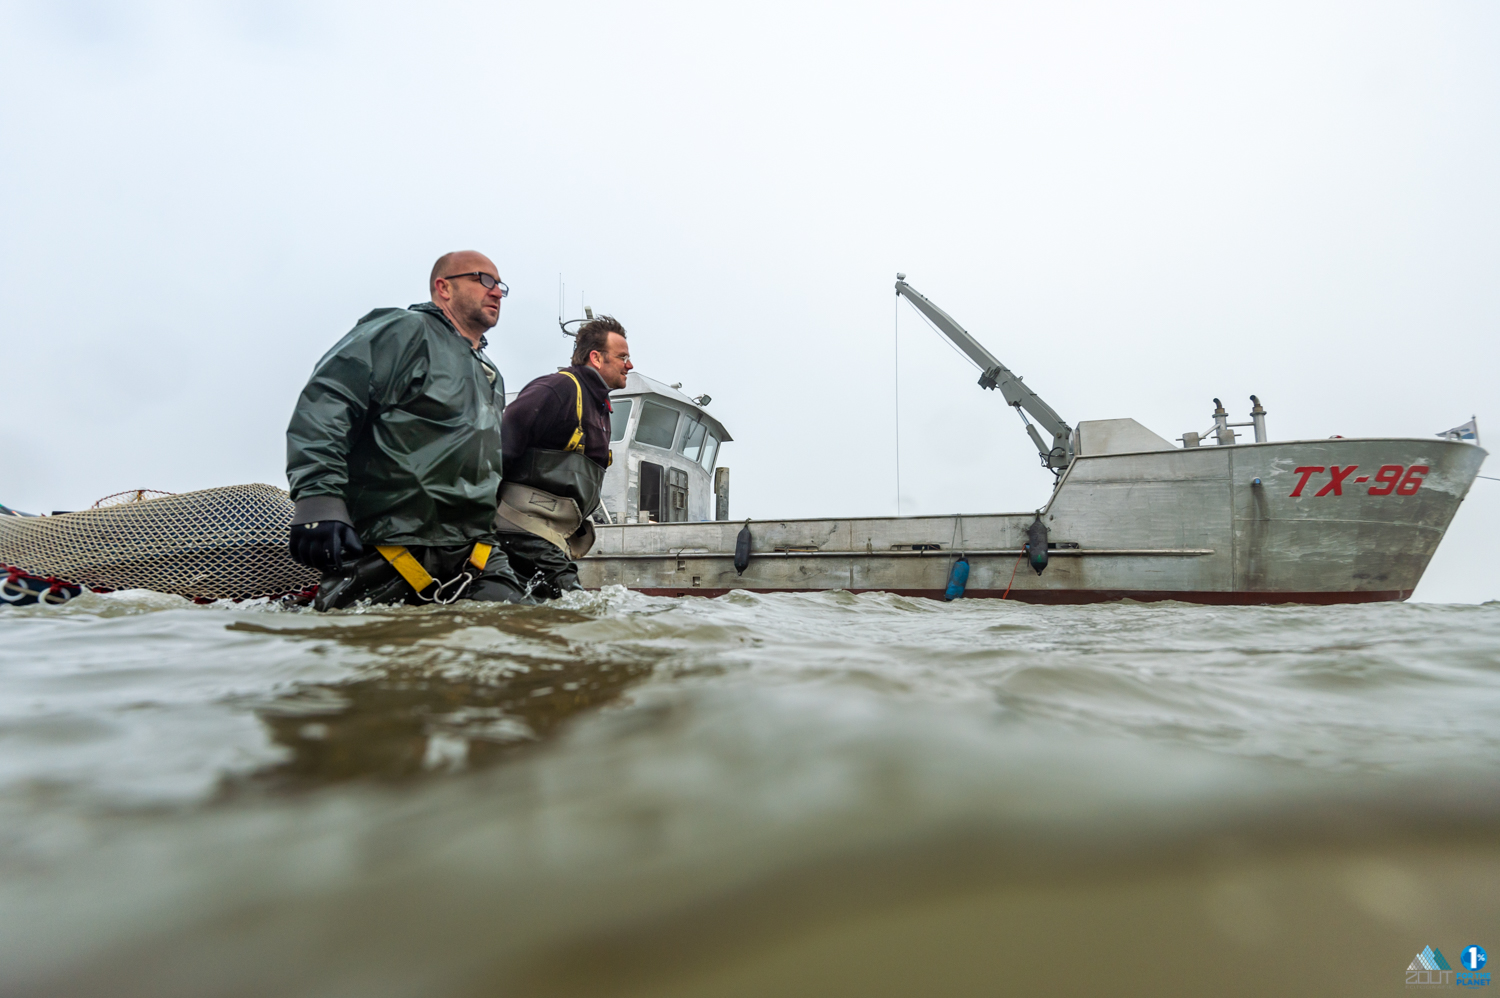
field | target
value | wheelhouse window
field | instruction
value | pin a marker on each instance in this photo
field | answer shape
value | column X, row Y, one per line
column 692, row 441
column 658, row 425
column 710, row 451
column 619, row 420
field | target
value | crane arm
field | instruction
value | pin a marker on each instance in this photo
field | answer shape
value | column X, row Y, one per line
column 1056, row 454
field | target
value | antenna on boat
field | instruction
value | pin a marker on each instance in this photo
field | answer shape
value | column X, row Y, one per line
column 561, row 290
column 562, row 324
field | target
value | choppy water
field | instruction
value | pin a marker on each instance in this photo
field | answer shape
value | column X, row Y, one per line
column 756, row 795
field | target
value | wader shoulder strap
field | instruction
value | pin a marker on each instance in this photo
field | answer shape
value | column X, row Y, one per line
column 575, row 442
column 412, row 571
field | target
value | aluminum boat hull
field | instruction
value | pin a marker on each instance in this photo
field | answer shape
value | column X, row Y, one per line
column 1190, row 524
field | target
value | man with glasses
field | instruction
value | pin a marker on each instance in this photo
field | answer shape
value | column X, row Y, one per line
column 394, row 451
column 556, row 437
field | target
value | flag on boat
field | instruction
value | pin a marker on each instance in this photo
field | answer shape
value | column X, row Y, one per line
column 1464, row 431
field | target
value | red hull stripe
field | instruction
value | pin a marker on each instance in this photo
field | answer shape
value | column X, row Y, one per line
column 1061, row 596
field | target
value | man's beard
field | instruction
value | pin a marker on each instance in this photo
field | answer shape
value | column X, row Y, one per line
column 479, row 317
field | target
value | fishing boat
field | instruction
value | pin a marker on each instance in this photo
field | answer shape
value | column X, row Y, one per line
column 1131, row 515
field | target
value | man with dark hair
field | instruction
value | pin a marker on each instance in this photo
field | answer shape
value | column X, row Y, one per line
column 556, row 441
column 593, row 337
column 395, row 445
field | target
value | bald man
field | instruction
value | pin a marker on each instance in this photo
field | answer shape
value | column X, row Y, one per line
column 394, row 452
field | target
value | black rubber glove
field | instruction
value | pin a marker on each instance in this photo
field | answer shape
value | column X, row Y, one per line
column 325, row 545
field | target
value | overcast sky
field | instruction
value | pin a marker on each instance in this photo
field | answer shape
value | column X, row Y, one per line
column 1136, row 206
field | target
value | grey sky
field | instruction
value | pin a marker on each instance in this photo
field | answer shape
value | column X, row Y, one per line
column 1138, row 207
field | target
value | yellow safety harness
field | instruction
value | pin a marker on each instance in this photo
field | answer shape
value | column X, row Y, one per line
column 575, row 442
column 420, row 579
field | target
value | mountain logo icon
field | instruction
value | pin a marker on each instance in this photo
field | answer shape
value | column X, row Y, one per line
column 1429, row 959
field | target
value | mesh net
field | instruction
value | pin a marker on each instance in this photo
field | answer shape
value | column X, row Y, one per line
column 227, row 543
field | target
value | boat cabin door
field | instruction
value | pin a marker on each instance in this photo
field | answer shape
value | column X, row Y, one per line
column 677, row 495
column 664, row 494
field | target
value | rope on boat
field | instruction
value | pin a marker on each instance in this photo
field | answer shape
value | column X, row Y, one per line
column 1019, row 555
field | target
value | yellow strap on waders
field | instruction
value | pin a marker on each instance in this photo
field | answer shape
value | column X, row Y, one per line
column 412, row 571
column 575, row 442
column 480, row 556
column 410, row 568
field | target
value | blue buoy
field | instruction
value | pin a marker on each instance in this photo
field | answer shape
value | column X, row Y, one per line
column 957, row 579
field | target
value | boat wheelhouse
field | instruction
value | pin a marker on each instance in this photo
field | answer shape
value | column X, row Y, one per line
column 665, row 448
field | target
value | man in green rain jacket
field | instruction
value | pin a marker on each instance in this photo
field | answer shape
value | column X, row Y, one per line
column 394, row 452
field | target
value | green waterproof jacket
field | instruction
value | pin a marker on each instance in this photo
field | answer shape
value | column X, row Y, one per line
column 398, row 432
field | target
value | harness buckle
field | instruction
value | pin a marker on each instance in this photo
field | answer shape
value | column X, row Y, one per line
column 416, row 576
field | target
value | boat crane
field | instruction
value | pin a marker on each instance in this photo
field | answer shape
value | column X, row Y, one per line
column 1059, row 453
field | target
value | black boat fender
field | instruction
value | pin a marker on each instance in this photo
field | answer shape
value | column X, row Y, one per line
column 742, row 550
column 1036, row 545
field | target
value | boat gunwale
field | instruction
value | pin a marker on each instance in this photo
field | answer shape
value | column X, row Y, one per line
column 1225, row 449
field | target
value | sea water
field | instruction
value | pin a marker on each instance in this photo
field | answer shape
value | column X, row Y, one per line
column 819, row 794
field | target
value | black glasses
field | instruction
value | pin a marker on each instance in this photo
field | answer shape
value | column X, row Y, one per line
column 485, row 279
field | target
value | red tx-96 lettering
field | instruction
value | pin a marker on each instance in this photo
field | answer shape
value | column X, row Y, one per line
column 1389, row 480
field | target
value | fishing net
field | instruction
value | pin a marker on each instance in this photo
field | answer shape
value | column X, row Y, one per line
column 227, row 543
